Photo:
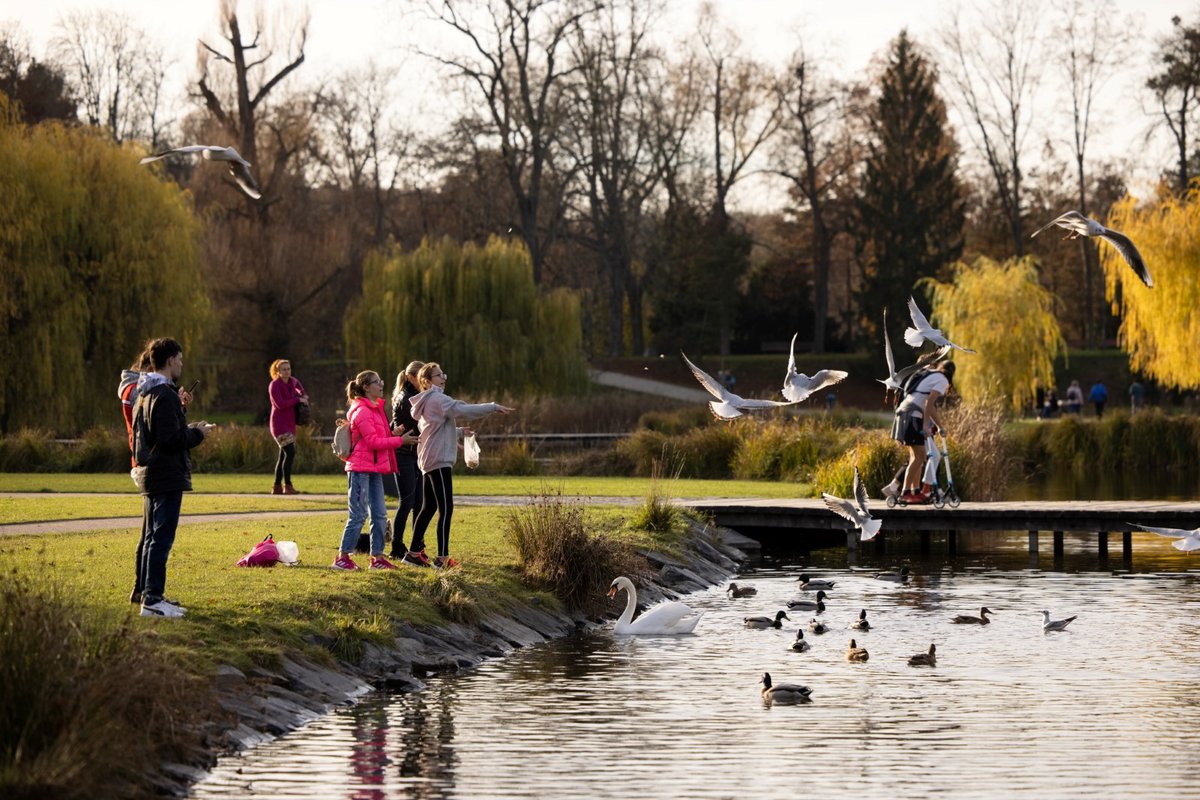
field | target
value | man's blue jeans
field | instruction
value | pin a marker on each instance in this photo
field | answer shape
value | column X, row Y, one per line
column 158, row 536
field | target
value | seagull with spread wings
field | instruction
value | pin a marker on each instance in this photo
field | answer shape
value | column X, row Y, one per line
column 797, row 386
column 727, row 405
column 921, row 331
column 1185, row 540
column 1077, row 225
column 896, row 378
column 239, row 167
column 857, row 511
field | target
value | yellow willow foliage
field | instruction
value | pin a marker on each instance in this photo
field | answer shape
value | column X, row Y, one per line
column 476, row 311
column 96, row 256
column 1003, row 312
column 1160, row 328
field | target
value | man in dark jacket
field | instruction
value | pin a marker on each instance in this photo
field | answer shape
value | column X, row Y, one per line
column 168, row 472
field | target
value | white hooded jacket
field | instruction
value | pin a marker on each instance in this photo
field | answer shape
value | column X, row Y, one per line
column 436, row 413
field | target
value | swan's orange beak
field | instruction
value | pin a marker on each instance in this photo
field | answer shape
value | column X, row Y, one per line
column 612, row 592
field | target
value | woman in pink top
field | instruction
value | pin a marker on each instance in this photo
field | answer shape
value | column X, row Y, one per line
column 286, row 393
column 373, row 454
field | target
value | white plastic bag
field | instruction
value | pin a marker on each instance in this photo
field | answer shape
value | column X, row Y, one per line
column 471, row 451
column 289, row 552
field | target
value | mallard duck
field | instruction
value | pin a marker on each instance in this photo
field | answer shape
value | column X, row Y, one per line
column 897, row 577
column 807, row 605
column 967, row 619
column 784, row 692
column 924, row 659
column 816, row 626
column 856, row 653
column 766, row 622
column 808, row 584
column 1054, row 624
column 666, row 619
column 741, row 591
column 861, row 623
column 801, row 646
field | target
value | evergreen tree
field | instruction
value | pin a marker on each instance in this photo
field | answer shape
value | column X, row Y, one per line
column 910, row 209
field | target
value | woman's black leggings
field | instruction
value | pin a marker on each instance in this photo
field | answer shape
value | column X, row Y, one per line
column 283, row 464
column 437, row 495
column 408, row 485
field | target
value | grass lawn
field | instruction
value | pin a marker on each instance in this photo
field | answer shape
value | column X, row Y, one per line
column 39, row 508
column 246, row 616
column 464, row 484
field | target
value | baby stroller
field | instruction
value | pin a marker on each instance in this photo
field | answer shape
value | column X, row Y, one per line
column 941, row 496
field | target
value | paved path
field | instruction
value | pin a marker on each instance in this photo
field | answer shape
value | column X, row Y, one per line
column 618, row 380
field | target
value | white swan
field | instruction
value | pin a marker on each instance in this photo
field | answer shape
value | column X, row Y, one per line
column 666, row 619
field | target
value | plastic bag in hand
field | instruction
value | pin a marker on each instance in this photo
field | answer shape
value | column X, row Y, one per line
column 471, row 451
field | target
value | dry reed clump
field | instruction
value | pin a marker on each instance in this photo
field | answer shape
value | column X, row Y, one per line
column 452, row 594
column 91, row 707
column 351, row 635
column 556, row 551
column 657, row 514
column 877, row 457
column 983, row 457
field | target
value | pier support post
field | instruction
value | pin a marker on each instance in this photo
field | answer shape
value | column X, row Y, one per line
column 925, row 537
column 852, row 539
column 1058, row 544
column 1127, row 549
column 952, row 542
column 1102, row 540
column 1033, row 549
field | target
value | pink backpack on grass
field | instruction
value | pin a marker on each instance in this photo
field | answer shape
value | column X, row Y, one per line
column 263, row 554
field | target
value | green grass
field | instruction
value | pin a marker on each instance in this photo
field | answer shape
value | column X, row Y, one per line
column 39, row 508
column 464, row 484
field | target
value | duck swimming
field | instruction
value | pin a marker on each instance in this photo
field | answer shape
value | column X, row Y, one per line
column 817, row 604
column 816, row 626
column 808, row 584
column 861, row 623
column 766, row 622
column 967, row 619
column 801, row 646
column 665, row 619
column 783, row 692
column 856, row 653
column 741, row 591
column 897, row 577
column 924, row 659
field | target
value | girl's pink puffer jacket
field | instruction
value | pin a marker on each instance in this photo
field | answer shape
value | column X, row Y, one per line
column 374, row 445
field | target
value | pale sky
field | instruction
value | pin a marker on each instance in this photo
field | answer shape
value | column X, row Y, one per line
column 345, row 33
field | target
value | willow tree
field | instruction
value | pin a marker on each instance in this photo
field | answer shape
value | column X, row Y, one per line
column 1003, row 312
column 97, row 255
column 1159, row 328
column 473, row 309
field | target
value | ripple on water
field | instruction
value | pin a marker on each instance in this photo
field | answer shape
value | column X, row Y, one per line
column 1105, row 708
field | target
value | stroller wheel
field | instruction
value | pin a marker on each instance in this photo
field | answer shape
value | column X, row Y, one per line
column 953, row 500
column 939, row 500
column 891, row 501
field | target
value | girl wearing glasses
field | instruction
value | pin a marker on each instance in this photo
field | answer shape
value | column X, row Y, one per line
column 436, row 414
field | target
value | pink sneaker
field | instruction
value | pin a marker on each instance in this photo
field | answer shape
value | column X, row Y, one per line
column 379, row 562
column 344, row 562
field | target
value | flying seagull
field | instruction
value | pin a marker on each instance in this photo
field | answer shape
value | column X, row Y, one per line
column 797, row 386
column 1054, row 624
column 896, row 378
column 1077, row 225
column 731, row 405
column 857, row 512
column 922, row 331
column 1187, row 541
column 239, row 167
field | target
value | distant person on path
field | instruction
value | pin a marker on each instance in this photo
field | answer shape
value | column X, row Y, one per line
column 373, row 457
column 916, row 421
column 436, row 414
column 1137, row 397
column 408, row 472
column 1050, row 409
column 1074, row 398
column 1098, row 396
column 168, row 474
column 286, row 394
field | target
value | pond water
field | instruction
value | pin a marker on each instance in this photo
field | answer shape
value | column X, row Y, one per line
column 1071, row 485
column 1107, row 708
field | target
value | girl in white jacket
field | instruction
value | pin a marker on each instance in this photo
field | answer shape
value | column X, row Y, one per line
column 436, row 414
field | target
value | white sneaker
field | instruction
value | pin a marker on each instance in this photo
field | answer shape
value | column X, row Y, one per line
column 163, row 608
column 891, row 490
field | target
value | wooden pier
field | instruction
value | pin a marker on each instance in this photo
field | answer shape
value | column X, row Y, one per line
column 1095, row 518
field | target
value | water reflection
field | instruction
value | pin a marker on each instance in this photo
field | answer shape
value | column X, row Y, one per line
column 1007, row 711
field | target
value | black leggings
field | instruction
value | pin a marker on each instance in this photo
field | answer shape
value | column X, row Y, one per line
column 408, row 486
column 283, row 464
column 437, row 495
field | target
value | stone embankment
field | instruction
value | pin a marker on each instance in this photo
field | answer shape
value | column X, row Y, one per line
column 263, row 704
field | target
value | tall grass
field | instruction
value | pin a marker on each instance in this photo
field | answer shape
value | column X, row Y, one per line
column 556, row 551
column 877, row 457
column 657, row 513
column 983, row 457
column 1149, row 441
column 88, row 701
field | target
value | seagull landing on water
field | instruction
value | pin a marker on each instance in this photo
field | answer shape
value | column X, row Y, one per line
column 1077, row 225
column 1187, row 541
column 896, row 378
column 857, row 512
column 239, row 167
column 922, row 331
column 1054, row 624
column 730, row 405
column 797, row 386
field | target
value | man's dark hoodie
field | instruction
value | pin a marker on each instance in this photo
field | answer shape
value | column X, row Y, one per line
column 170, row 467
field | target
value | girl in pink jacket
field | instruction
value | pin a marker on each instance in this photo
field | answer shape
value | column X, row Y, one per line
column 372, row 456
